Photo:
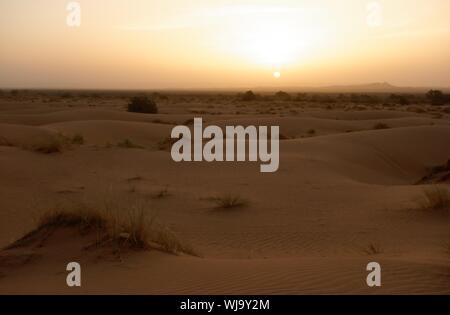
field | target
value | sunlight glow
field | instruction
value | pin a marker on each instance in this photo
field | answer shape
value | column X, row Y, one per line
column 272, row 43
column 203, row 44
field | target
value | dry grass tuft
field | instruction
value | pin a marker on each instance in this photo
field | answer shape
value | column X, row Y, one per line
column 284, row 137
column 169, row 242
column 436, row 198
column 437, row 174
column 163, row 193
column 82, row 218
column 128, row 144
column 77, row 139
column 230, row 201
column 447, row 248
column 416, row 109
column 5, row 142
column 188, row 122
column 379, row 126
column 166, row 144
column 373, row 249
column 126, row 225
column 135, row 179
column 53, row 145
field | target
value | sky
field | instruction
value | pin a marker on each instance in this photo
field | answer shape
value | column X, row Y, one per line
column 182, row 44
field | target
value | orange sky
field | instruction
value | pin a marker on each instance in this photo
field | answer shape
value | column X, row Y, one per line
column 224, row 44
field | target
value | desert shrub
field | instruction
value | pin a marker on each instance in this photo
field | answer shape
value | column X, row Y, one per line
column 399, row 99
column 142, row 104
column 55, row 143
column 321, row 98
column 301, row 97
column 416, row 109
column 267, row 98
column 66, row 95
column 369, row 99
column 77, row 139
column 358, row 107
column 380, row 126
column 128, row 144
column 49, row 146
column 248, row 96
column 354, row 98
column 157, row 95
column 282, row 96
column 436, row 97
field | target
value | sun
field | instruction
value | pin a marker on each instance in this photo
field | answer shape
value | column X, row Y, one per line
column 276, row 74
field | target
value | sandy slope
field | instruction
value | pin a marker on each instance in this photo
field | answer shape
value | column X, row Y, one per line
column 305, row 230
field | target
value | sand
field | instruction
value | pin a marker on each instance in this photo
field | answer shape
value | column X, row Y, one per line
column 305, row 230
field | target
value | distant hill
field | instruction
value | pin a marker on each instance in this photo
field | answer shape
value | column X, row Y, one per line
column 377, row 87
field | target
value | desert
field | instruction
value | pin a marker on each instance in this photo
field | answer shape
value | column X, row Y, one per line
column 345, row 195
column 266, row 149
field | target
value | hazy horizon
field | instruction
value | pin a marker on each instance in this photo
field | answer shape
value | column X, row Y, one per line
column 217, row 45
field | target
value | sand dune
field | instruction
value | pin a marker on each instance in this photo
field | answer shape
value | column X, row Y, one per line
column 363, row 115
column 305, row 229
column 113, row 131
column 20, row 135
column 296, row 127
column 183, row 275
column 390, row 156
column 71, row 115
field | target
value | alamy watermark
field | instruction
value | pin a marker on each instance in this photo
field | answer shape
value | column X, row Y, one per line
column 73, row 278
column 73, row 19
column 374, row 16
column 374, row 277
column 235, row 137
